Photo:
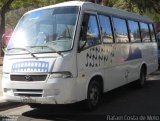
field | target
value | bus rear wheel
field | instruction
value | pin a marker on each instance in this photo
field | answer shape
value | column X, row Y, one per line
column 94, row 95
column 37, row 106
column 142, row 79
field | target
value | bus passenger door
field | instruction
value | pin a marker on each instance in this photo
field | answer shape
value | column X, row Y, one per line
column 88, row 61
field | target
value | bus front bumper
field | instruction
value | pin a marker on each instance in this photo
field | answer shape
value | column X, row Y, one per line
column 55, row 91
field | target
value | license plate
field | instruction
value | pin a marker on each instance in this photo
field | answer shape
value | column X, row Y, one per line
column 28, row 100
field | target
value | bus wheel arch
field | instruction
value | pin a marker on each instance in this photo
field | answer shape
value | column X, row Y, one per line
column 94, row 92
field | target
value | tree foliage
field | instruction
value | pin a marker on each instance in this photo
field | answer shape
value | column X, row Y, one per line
column 4, row 7
column 144, row 7
column 149, row 8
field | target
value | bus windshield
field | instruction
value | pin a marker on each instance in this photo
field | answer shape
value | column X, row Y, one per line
column 47, row 30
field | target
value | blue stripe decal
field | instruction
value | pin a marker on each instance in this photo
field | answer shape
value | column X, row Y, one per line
column 30, row 66
column 134, row 54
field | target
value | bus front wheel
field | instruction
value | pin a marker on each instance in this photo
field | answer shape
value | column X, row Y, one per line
column 94, row 94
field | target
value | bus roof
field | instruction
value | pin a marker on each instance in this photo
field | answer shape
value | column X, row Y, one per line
column 88, row 6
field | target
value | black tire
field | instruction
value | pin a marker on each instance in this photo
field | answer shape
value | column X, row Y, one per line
column 141, row 82
column 37, row 106
column 94, row 95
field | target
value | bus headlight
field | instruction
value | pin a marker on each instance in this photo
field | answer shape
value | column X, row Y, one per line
column 65, row 74
column 6, row 76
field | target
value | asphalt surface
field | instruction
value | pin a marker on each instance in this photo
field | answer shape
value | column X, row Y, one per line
column 124, row 103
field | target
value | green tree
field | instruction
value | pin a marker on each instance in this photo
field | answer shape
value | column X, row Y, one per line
column 143, row 7
column 4, row 7
column 148, row 5
column 149, row 8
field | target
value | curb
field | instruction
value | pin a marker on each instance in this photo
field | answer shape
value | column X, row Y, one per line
column 5, row 105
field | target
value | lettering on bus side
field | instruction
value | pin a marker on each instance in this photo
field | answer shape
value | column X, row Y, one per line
column 100, row 56
column 97, row 56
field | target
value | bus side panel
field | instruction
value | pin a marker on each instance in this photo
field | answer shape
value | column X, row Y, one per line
column 108, row 60
column 114, row 66
column 135, row 60
column 147, row 55
column 117, row 63
column 150, row 56
column 89, row 63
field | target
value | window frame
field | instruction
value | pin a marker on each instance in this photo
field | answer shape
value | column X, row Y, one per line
column 111, row 28
column 115, row 38
column 97, row 19
column 130, row 32
column 148, row 32
column 153, row 32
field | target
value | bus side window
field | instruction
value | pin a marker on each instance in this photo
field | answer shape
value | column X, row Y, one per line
column 92, row 34
column 107, row 35
column 134, row 31
column 153, row 37
column 120, row 29
column 145, row 32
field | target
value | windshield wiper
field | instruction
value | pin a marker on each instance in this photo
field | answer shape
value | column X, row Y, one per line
column 58, row 52
column 24, row 49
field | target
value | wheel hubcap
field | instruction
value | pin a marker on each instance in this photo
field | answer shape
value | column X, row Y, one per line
column 94, row 95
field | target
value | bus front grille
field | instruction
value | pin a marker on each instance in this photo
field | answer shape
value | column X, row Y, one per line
column 28, row 92
column 28, row 77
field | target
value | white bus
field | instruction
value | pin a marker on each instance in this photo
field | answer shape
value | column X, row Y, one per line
column 76, row 51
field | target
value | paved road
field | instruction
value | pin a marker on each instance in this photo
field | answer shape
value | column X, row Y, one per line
column 123, row 101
